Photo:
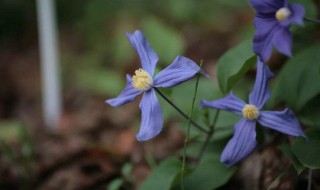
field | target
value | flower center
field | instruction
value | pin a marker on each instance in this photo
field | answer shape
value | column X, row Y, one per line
column 250, row 112
column 142, row 80
column 283, row 14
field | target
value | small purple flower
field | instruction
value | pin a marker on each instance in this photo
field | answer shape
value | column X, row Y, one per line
column 180, row 70
column 243, row 141
column 272, row 23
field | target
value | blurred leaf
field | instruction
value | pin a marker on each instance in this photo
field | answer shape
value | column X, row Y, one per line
column 163, row 176
column 234, row 64
column 209, row 174
column 182, row 10
column 221, row 134
column 310, row 9
column 115, row 184
column 167, row 42
column 27, row 144
column 10, row 130
column 101, row 81
column 182, row 94
column 296, row 81
column 308, row 153
column 286, row 149
column 126, row 169
column 122, row 51
column 309, row 114
column 226, row 119
column 276, row 181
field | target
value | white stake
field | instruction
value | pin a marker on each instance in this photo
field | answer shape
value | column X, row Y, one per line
column 48, row 46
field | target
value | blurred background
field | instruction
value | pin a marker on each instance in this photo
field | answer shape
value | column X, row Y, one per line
column 94, row 145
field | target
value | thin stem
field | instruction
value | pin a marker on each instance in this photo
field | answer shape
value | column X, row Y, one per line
column 310, row 179
column 180, row 111
column 188, row 131
column 311, row 20
column 209, row 135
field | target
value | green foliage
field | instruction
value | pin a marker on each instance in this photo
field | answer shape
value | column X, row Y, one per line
column 308, row 153
column 115, row 184
column 209, row 174
column 309, row 115
column 126, row 169
column 167, row 42
column 183, row 93
column 275, row 183
column 10, row 131
column 20, row 158
column 122, row 51
column 234, row 64
column 286, row 149
column 191, row 11
column 296, row 81
column 101, row 81
column 164, row 176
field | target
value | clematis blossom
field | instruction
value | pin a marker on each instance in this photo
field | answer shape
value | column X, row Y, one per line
column 272, row 22
column 244, row 141
column 143, row 82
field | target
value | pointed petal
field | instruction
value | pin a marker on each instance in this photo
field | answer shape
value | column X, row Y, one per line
column 267, row 6
column 151, row 120
column 229, row 103
column 127, row 95
column 283, row 121
column 260, row 93
column 297, row 13
column 282, row 41
column 180, row 70
column 147, row 55
column 263, row 37
column 242, row 143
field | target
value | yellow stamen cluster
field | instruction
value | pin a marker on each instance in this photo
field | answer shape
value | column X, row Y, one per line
column 283, row 14
column 142, row 80
column 250, row 112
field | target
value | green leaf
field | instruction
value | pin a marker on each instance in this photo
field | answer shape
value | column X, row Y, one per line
column 308, row 153
column 286, row 149
column 126, row 169
column 100, row 81
column 167, row 42
column 115, row 184
column 309, row 114
column 163, row 176
column 234, row 64
column 210, row 174
column 10, row 131
column 296, row 81
column 182, row 94
column 274, row 184
column 122, row 51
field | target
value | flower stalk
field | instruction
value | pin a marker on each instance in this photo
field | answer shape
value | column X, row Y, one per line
column 188, row 129
column 311, row 20
column 180, row 111
column 209, row 136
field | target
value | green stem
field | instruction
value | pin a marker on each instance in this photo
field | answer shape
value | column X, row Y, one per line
column 180, row 111
column 311, row 20
column 188, row 130
column 310, row 179
column 209, row 136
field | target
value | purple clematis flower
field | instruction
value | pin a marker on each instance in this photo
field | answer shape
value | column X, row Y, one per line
column 180, row 70
column 243, row 141
column 272, row 23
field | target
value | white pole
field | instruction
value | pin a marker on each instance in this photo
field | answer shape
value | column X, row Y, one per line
column 48, row 47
